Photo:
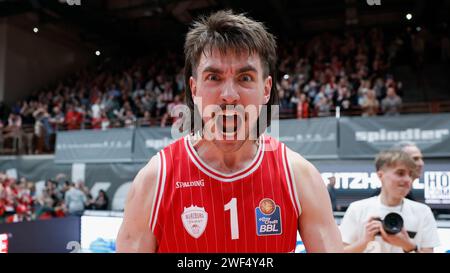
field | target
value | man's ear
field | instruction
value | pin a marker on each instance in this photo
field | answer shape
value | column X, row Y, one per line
column 193, row 86
column 267, row 89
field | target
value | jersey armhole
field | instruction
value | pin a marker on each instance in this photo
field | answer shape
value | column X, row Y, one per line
column 290, row 179
column 159, row 190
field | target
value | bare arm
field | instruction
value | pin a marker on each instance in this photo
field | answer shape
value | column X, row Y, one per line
column 403, row 240
column 317, row 226
column 357, row 247
column 135, row 234
column 360, row 246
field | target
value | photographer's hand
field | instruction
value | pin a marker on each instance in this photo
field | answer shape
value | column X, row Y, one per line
column 371, row 229
column 400, row 239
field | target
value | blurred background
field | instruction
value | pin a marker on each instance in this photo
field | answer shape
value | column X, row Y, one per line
column 86, row 90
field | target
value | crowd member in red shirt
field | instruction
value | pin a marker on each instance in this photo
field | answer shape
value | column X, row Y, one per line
column 73, row 118
column 303, row 107
column 7, row 198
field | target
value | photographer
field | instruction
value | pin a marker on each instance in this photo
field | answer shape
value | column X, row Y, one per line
column 365, row 228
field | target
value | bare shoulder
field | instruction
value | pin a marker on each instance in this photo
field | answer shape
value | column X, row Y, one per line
column 135, row 234
column 308, row 183
column 146, row 179
column 141, row 194
column 317, row 226
column 300, row 166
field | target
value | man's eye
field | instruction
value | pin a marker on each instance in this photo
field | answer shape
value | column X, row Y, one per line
column 212, row 77
column 246, row 78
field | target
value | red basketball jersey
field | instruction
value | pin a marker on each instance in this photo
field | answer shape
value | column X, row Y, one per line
column 199, row 209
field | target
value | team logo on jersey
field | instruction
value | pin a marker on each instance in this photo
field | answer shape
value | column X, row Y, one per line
column 268, row 218
column 194, row 220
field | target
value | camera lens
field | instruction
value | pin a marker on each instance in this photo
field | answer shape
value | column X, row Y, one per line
column 393, row 223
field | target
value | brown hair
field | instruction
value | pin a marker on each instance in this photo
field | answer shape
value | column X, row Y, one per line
column 225, row 31
column 392, row 157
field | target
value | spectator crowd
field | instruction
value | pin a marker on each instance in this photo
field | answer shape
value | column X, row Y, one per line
column 350, row 74
column 22, row 200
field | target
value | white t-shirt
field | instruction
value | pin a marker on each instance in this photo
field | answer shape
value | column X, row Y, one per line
column 95, row 111
column 417, row 217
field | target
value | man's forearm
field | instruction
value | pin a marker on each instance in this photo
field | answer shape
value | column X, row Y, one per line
column 425, row 250
column 357, row 247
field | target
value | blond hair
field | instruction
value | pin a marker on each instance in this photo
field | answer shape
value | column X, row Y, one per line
column 390, row 158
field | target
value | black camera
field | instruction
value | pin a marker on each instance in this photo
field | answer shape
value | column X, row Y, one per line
column 392, row 223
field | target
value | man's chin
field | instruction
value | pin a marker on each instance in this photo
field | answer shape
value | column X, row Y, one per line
column 228, row 145
column 403, row 194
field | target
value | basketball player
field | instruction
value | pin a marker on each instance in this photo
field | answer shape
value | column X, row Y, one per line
column 214, row 191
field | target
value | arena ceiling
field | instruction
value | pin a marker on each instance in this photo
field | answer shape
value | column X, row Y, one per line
column 153, row 21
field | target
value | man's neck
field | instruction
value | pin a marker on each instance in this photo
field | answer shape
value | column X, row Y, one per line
column 388, row 200
column 227, row 162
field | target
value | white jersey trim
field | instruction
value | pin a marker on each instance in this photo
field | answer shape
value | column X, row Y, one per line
column 160, row 185
column 158, row 176
column 292, row 189
column 209, row 171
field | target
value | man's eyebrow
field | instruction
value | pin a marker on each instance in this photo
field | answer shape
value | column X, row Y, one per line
column 212, row 69
column 247, row 68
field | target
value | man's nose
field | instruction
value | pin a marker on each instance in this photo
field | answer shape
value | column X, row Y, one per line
column 420, row 162
column 229, row 94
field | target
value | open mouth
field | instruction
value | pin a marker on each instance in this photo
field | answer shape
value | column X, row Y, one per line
column 228, row 124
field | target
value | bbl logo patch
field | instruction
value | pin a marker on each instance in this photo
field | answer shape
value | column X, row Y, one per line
column 268, row 218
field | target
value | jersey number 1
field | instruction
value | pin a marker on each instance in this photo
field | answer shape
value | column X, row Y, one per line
column 232, row 207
